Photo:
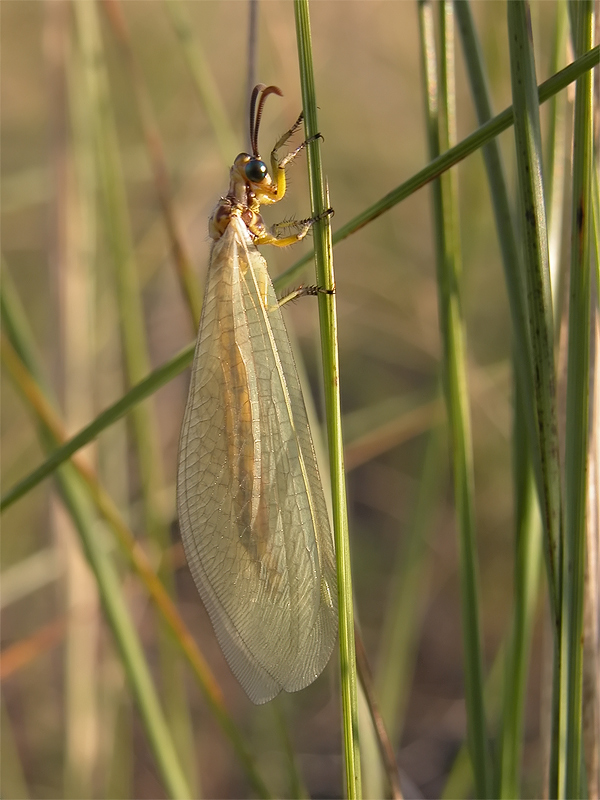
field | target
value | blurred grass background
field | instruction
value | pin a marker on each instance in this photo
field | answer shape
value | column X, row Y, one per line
column 69, row 723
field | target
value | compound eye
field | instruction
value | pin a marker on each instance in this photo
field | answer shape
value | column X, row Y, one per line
column 256, row 170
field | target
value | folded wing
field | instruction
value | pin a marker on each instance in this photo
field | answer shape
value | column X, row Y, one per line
column 252, row 512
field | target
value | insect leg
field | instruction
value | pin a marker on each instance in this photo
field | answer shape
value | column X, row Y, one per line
column 278, row 165
column 286, row 137
column 291, row 156
column 274, row 237
column 303, row 291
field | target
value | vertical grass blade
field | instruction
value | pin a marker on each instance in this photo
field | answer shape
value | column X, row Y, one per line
column 556, row 168
column 327, row 314
column 527, row 458
column 528, row 554
column 577, row 431
column 409, row 590
column 440, row 98
column 532, row 218
column 591, row 620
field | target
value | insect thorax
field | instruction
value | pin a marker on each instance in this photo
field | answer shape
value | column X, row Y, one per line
column 229, row 207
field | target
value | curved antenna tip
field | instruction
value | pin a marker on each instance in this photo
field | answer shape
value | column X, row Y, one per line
column 256, row 112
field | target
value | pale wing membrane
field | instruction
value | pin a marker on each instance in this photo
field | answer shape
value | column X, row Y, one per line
column 252, row 511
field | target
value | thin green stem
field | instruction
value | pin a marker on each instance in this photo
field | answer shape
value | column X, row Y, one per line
column 525, row 440
column 329, row 341
column 440, row 97
column 533, row 228
column 577, row 416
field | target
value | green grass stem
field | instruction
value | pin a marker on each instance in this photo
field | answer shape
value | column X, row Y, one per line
column 438, row 91
column 533, row 229
column 329, row 340
column 577, row 416
column 525, row 439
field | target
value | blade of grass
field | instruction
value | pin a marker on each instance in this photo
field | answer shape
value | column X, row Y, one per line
column 409, row 590
column 440, row 109
column 526, row 528
column 556, row 167
column 327, row 314
column 577, row 416
column 408, row 594
column 539, row 301
column 116, row 411
column 539, row 294
column 591, row 622
column 528, row 555
column 73, row 251
column 384, row 744
column 118, row 228
column 460, row 779
column 572, row 10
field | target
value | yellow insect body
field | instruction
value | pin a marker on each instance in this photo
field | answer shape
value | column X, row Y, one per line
column 252, row 512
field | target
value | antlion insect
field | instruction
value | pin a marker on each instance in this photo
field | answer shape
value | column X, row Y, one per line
column 251, row 507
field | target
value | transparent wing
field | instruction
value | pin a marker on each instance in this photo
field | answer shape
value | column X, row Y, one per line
column 251, row 507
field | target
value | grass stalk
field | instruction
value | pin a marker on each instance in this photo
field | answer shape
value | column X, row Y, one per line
column 460, row 780
column 408, row 591
column 532, row 218
column 539, row 293
column 577, row 416
column 527, row 455
column 440, row 98
column 556, row 167
column 528, row 555
column 327, row 314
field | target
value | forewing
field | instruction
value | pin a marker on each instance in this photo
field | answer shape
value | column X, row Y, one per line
column 252, row 512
